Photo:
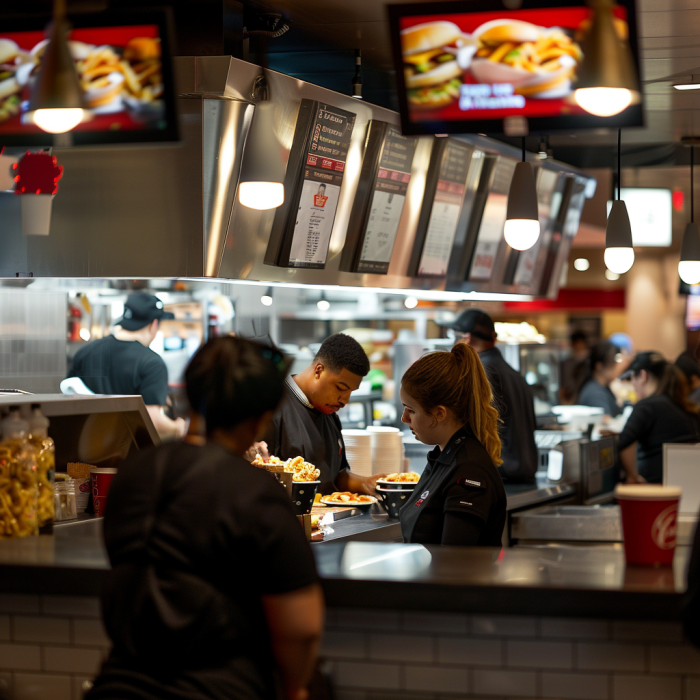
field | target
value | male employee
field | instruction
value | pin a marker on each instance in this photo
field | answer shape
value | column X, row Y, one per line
column 123, row 363
column 511, row 393
column 307, row 425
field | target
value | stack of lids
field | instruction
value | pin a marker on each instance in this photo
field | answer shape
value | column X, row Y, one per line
column 358, row 450
column 387, row 449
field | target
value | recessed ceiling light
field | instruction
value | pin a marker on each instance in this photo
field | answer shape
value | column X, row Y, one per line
column 581, row 264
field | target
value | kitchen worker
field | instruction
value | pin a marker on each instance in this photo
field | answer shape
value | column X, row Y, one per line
column 307, row 425
column 691, row 368
column 512, row 397
column 573, row 368
column 663, row 413
column 460, row 498
column 603, row 368
column 212, row 592
column 123, row 363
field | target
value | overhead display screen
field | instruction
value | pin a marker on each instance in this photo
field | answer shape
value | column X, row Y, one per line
column 466, row 72
column 123, row 65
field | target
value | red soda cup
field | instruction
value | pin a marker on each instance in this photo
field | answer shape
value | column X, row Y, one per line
column 100, row 479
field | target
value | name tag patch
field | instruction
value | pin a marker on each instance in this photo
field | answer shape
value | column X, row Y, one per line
column 423, row 496
column 469, row 482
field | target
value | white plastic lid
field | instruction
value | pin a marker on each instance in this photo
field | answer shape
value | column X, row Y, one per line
column 646, row 492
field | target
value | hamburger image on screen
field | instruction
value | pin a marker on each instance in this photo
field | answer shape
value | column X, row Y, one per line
column 432, row 74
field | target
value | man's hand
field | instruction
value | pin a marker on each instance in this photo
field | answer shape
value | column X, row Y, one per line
column 257, row 448
column 348, row 481
column 370, row 485
column 635, row 479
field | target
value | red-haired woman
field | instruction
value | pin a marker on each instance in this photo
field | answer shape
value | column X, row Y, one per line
column 460, row 499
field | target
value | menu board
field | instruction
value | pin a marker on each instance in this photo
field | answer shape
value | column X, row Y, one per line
column 493, row 220
column 301, row 231
column 381, row 194
column 452, row 168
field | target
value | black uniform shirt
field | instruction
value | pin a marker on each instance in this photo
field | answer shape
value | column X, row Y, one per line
column 599, row 396
column 653, row 422
column 111, row 366
column 517, row 411
column 459, row 493
column 196, row 536
column 298, row 429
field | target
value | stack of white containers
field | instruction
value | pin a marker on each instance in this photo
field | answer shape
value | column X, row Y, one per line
column 358, row 450
column 387, row 450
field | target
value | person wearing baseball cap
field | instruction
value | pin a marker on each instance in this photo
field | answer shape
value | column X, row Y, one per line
column 691, row 368
column 663, row 413
column 123, row 363
column 512, row 396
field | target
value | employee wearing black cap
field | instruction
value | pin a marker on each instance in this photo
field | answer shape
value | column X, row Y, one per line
column 511, row 394
column 691, row 368
column 123, row 363
column 662, row 414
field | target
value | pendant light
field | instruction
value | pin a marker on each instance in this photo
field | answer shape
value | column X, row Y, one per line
column 689, row 265
column 607, row 78
column 619, row 253
column 522, row 227
column 56, row 104
column 261, row 182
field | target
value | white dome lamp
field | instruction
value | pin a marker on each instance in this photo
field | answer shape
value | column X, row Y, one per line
column 689, row 265
column 619, row 253
column 522, row 227
column 607, row 78
column 261, row 182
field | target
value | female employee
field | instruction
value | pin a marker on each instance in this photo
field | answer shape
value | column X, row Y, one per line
column 213, row 591
column 602, row 370
column 663, row 414
column 460, row 499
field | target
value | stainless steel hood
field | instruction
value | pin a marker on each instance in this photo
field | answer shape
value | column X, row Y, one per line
column 172, row 211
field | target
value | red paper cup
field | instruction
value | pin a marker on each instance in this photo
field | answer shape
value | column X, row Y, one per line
column 649, row 515
column 100, row 480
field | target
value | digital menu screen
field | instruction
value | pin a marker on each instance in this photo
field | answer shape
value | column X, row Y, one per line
column 123, row 66
column 465, row 72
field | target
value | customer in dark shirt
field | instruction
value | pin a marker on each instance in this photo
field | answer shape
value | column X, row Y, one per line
column 512, row 397
column 307, row 425
column 602, row 370
column 213, row 591
column 662, row 414
column 460, row 499
column 573, row 369
column 123, row 363
column 691, row 368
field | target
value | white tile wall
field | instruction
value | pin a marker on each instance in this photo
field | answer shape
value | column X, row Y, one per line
column 89, row 632
column 575, row 686
column 611, row 657
column 4, row 628
column 20, row 657
column 692, row 688
column 35, row 686
column 431, row 679
column 72, row 659
column 37, row 628
column 574, row 628
column 470, row 651
column 634, row 630
column 672, row 659
column 510, row 683
column 447, row 623
column 647, row 688
column 404, row 647
column 535, row 654
column 505, row 625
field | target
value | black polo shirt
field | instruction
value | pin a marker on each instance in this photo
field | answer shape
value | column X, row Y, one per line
column 298, row 429
column 459, row 499
column 516, row 409
column 111, row 366
column 196, row 536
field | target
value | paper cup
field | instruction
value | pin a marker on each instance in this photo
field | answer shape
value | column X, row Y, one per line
column 36, row 214
column 649, row 516
column 100, row 480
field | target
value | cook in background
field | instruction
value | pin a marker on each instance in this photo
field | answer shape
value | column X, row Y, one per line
column 307, row 425
column 603, row 368
column 512, row 397
column 691, row 368
column 123, row 363
column 460, row 499
column 213, row 591
column 663, row 413
column 573, row 369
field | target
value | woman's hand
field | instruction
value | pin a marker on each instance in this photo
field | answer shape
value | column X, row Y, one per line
column 257, row 448
column 635, row 479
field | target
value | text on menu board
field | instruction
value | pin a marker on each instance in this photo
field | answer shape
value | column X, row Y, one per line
column 388, row 198
column 447, row 206
column 323, row 177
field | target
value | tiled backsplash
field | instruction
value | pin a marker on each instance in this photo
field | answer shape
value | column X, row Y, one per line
column 49, row 645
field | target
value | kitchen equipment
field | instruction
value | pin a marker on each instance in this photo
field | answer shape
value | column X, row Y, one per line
column 567, row 524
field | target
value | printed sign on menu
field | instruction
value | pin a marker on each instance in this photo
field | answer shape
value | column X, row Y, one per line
column 447, row 206
column 493, row 220
column 386, row 207
column 323, row 176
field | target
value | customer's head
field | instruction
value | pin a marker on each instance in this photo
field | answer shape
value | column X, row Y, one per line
column 143, row 314
column 603, row 362
column 579, row 344
column 476, row 328
column 442, row 389
column 336, row 371
column 691, row 368
column 235, row 384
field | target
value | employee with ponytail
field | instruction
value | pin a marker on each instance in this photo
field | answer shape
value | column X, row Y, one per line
column 460, row 499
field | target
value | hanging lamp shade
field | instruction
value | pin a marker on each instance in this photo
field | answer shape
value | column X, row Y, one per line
column 261, row 183
column 56, row 104
column 689, row 265
column 522, row 227
column 619, row 253
column 607, row 77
